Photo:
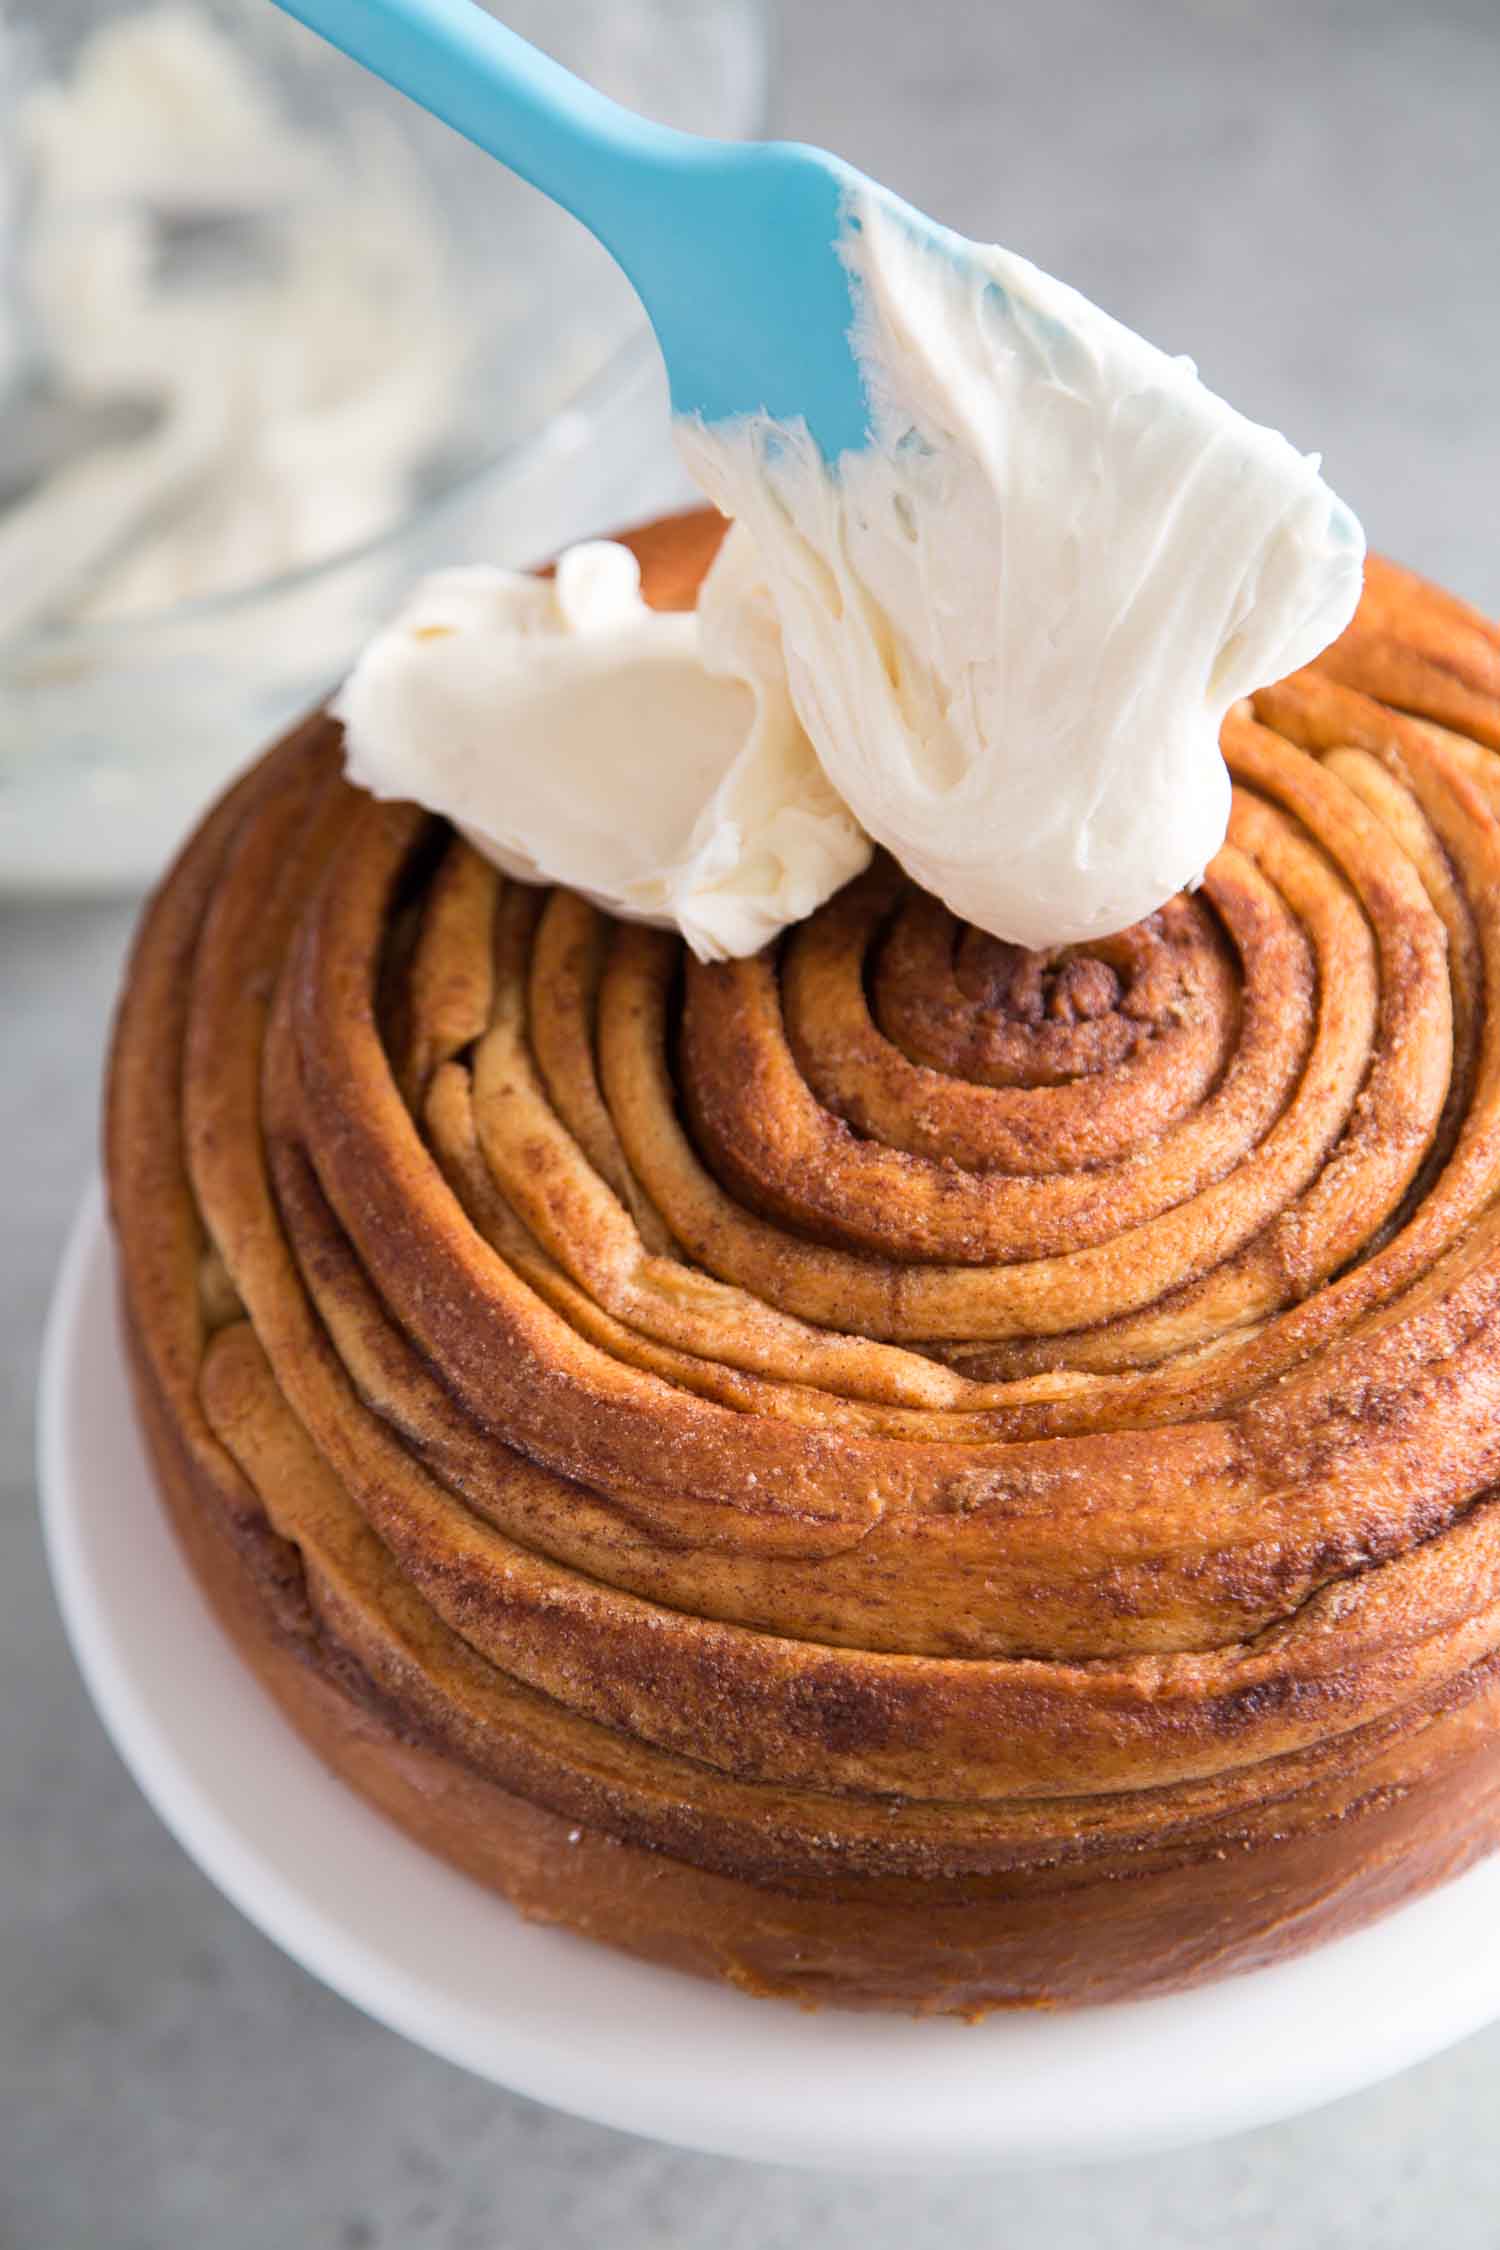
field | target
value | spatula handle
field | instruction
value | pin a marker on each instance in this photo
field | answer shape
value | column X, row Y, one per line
column 456, row 60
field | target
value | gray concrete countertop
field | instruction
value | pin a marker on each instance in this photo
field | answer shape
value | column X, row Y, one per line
column 1303, row 194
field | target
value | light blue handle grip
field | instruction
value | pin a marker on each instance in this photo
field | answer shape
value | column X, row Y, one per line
column 588, row 153
column 732, row 248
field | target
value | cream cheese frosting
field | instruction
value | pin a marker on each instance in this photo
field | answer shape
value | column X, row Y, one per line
column 999, row 641
column 1014, row 623
column 649, row 759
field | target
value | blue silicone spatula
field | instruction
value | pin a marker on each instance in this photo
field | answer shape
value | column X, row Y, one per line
column 730, row 246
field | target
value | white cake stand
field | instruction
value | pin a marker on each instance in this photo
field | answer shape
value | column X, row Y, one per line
column 434, row 1956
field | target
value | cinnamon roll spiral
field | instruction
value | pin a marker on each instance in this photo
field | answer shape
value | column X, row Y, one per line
column 898, row 1470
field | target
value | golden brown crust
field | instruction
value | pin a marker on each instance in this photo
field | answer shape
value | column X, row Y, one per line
column 964, row 1476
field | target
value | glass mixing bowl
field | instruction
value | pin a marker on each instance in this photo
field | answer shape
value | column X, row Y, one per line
column 120, row 715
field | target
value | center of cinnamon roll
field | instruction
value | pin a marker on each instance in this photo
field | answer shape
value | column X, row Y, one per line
column 1067, row 987
column 957, row 1000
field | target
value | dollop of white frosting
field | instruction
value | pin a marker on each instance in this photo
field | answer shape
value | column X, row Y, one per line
column 1014, row 624
column 649, row 759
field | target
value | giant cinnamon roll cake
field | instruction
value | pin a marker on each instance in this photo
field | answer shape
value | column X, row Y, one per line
column 894, row 1470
